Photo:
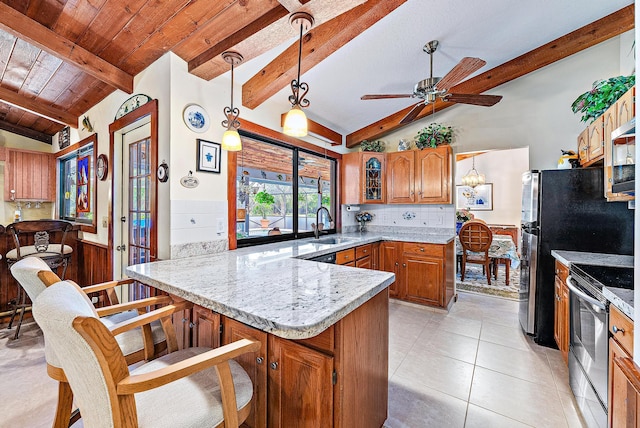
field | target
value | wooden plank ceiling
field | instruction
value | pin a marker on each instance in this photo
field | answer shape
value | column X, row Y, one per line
column 59, row 58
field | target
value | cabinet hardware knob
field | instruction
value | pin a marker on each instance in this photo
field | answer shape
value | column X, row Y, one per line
column 615, row 330
column 274, row 365
column 404, row 265
column 396, row 263
column 185, row 320
column 259, row 360
column 191, row 325
column 422, row 249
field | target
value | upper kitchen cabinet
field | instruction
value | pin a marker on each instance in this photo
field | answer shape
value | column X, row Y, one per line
column 31, row 174
column 420, row 176
column 363, row 178
column 591, row 143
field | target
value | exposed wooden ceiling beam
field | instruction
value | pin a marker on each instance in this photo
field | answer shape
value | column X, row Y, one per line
column 253, row 27
column 320, row 131
column 569, row 44
column 36, row 107
column 25, row 132
column 274, row 35
column 38, row 35
column 319, row 43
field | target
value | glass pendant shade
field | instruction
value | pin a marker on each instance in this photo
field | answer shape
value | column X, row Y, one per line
column 473, row 179
column 231, row 141
column 295, row 123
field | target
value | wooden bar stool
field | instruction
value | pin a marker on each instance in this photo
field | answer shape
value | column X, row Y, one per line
column 34, row 238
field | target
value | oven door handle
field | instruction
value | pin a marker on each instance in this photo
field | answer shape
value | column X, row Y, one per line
column 584, row 296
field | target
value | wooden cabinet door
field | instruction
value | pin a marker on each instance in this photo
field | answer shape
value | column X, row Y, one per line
column 561, row 317
column 255, row 364
column 389, row 262
column 423, row 279
column 31, row 175
column 373, row 178
column 557, row 291
column 433, row 175
column 375, row 256
column 300, row 386
column 596, row 139
column 206, row 328
column 182, row 325
column 401, row 177
column 619, row 399
column 610, row 123
column 350, row 178
column 583, row 146
column 626, row 107
column 364, row 262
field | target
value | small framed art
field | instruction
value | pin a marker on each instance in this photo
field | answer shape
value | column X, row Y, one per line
column 208, row 156
column 479, row 198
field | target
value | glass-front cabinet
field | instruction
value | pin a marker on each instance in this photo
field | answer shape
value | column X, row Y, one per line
column 373, row 179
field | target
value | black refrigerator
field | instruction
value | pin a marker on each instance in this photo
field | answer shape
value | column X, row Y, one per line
column 563, row 209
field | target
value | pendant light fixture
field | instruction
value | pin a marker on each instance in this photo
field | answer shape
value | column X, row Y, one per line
column 473, row 178
column 295, row 122
column 231, row 139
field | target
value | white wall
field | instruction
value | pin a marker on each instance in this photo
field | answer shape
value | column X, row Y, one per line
column 504, row 169
column 535, row 111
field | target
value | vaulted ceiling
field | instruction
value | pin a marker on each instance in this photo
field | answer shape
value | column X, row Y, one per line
column 58, row 58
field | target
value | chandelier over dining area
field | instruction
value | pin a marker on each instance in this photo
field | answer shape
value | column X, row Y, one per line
column 473, row 178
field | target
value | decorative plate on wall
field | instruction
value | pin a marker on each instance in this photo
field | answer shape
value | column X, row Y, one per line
column 196, row 118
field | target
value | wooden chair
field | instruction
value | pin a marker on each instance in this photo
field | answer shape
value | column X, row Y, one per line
column 197, row 387
column 475, row 239
column 137, row 342
column 55, row 254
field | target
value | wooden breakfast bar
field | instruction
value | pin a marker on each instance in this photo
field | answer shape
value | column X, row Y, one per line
column 324, row 330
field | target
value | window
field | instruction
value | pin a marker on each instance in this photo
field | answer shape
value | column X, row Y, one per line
column 77, row 183
column 279, row 189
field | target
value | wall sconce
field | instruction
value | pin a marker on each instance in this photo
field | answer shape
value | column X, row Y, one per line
column 231, row 139
column 295, row 122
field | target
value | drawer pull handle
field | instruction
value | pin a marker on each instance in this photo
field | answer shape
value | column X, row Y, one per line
column 615, row 330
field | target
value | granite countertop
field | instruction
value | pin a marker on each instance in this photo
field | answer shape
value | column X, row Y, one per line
column 271, row 287
column 621, row 298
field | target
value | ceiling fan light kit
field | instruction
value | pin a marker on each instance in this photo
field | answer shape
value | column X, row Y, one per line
column 432, row 88
column 295, row 122
column 231, row 139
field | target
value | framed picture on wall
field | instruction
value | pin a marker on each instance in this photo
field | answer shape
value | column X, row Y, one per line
column 208, row 156
column 479, row 198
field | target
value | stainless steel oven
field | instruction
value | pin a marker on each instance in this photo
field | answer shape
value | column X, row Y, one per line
column 589, row 336
column 588, row 352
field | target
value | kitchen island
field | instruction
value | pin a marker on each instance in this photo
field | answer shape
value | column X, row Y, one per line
column 324, row 328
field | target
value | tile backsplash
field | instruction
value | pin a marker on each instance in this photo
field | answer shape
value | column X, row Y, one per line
column 403, row 216
column 198, row 227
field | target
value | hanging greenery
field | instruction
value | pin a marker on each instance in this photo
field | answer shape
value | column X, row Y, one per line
column 601, row 96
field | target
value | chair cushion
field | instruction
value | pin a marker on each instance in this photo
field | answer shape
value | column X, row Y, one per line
column 131, row 341
column 194, row 401
column 29, row 250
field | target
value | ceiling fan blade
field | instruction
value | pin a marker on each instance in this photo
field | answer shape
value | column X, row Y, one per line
column 383, row 96
column 465, row 67
column 475, row 99
column 415, row 111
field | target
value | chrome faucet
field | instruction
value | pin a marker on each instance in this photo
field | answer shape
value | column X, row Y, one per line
column 317, row 226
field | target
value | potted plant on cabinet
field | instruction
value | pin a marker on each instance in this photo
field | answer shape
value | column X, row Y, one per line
column 434, row 135
column 264, row 204
column 592, row 104
column 372, row 146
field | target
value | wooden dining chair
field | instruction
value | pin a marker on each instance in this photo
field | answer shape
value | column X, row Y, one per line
column 137, row 342
column 475, row 239
column 193, row 387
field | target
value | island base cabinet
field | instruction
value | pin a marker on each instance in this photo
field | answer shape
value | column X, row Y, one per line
column 338, row 378
column 300, row 386
column 255, row 364
column 206, row 328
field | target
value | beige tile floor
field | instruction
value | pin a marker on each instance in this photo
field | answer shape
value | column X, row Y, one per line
column 470, row 368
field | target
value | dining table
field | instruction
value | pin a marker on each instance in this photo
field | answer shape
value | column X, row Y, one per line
column 502, row 251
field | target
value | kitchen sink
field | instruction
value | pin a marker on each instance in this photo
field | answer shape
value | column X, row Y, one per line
column 332, row 240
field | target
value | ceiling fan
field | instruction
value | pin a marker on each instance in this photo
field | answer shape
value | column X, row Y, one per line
column 429, row 90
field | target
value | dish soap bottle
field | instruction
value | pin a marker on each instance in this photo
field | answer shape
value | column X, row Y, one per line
column 18, row 213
